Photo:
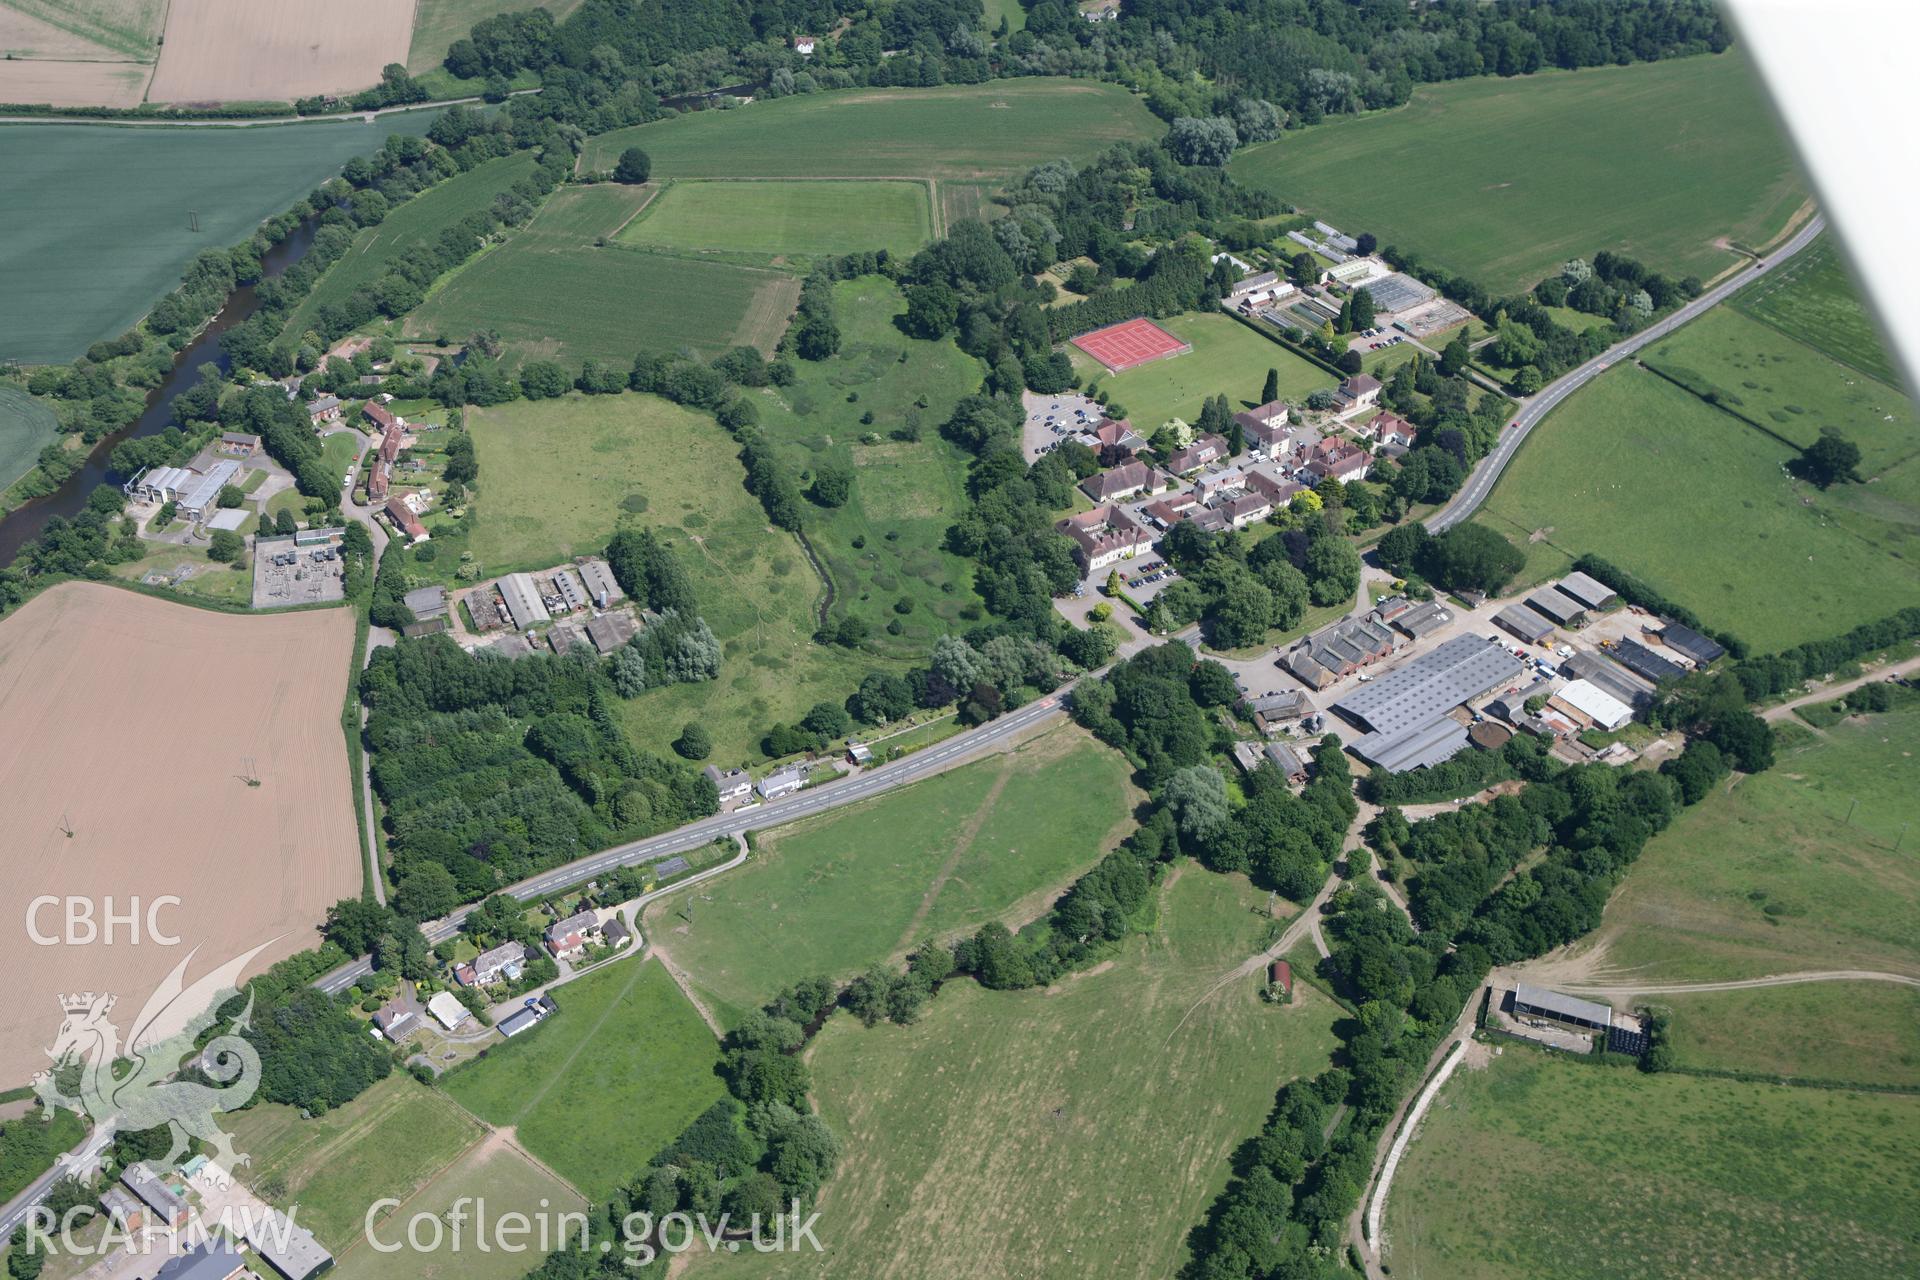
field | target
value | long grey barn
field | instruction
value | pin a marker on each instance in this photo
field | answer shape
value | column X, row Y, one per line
column 1551, row 1004
column 1405, row 712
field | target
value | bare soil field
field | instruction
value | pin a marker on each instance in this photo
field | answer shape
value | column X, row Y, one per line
column 73, row 84
column 127, row 728
column 244, row 51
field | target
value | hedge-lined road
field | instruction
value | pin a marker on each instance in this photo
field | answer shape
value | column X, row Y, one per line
column 1480, row 484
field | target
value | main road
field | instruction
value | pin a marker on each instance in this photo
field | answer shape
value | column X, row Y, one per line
column 1487, row 473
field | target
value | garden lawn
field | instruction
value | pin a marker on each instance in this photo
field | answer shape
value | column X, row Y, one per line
column 603, row 1084
column 835, row 894
column 1501, row 179
column 96, row 224
column 1227, row 357
column 782, row 219
column 419, row 221
column 557, row 477
column 1644, row 474
column 1077, row 1131
column 1861, row 1032
column 1533, row 1165
column 887, row 545
column 954, row 132
column 27, row 426
column 1772, row 877
column 1810, row 297
column 389, row 1141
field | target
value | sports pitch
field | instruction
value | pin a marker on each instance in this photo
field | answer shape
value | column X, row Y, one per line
column 177, row 706
column 781, row 219
column 1501, row 179
column 1131, row 343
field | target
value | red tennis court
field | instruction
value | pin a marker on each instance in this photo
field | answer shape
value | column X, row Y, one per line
column 1129, row 343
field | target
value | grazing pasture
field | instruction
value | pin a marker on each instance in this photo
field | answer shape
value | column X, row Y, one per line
column 887, row 545
column 96, row 224
column 244, row 51
column 1812, row 299
column 835, row 894
column 389, row 1141
column 1075, row 1131
column 1226, row 357
column 782, row 219
column 27, row 426
column 1530, row 1165
column 1501, row 179
column 1634, row 469
column 1861, row 1032
column 558, row 477
column 1791, row 869
column 91, row 672
column 597, row 1088
column 418, row 221
column 959, row 132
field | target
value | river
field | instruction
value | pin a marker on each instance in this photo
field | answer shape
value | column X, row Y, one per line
column 25, row 522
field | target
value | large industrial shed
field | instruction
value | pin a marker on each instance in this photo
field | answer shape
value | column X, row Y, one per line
column 1405, row 712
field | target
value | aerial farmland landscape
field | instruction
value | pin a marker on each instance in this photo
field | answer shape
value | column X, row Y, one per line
column 957, row 638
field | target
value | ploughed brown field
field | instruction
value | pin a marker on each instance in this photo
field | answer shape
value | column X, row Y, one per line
column 246, row 51
column 133, row 723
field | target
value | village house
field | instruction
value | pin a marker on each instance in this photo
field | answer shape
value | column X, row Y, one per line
column 399, row 1017
column 506, row 961
column 570, row 936
column 734, row 785
column 1204, row 450
column 1130, row 477
column 804, row 46
column 323, row 409
column 405, row 521
column 1104, row 536
column 782, row 782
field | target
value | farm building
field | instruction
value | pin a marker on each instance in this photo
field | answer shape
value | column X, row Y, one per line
column 527, row 1017
column 602, row 587
column 782, row 782
column 1123, row 481
column 427, row 602
column 1616, row 680
column 1686, row 640
column 1339, row 650
column 126, row 1213
column 1280, row 974
column 1589, row 591
column 1540, row 1003
column 1104, row 536
column 609, row 631
column 859, row 753
column 208, row 1260
column 151, row 1190
column 1511, row 707
column 431, row 627
column 1489, row 736
column 1590, row 706
column 565, row 637
column 447, row 1010
column 1524, row 624
column 572, row 592
column 1644, row 662
column 1275, row 711
column 523, row 601
column 198, row 500
column 1406, row 712
column 1558, row 605
column 381, row 416
column 290, row 1249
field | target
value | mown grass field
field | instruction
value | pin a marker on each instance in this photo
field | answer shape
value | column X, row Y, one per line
column 956, row 132
column 1502, row 179
column 418, row 221
column 887, row 544
column 614, row 1076
column 1533, row 1166
column 27, row 426
column 1861, row 1032
column 558, row 477
column 493, row 1171
column 438, row 23
column 1078, row 1131
column 834, row 894
column 558, row 289
column 1772, row 877
column 210, row 580
column 1812, row 299
column 389, row 1141
column 95, row 223
column 1636, row 470
column 1226, row 357
column 785, row 219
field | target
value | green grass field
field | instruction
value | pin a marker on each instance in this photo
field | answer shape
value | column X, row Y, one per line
column 957, row 132
column 1862, row 1032
column 783, row 219
column 493, row 1171
column 95, row 223
column 1636, row 470
column 834, row 894
column 419, row 221
column 1533, row 1166
column 438, row 23
column 27, row 426
column 1811, row 298
column 389, row 1141
column 1011, row 11
column 1771, row 877
column 557, row 477
column 888, row 543
column 1226, row 357
column 1502, row 179
column 209, row 579
column 600, row 1086
column 1077, row 1131
column 558, row 289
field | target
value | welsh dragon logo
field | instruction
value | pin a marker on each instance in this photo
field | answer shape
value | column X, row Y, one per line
column 130, row 1086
